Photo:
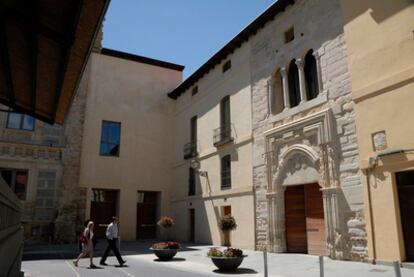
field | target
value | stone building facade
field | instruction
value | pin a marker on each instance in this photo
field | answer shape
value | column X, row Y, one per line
column 311, row 141
column 31, row 164
column 41, row 163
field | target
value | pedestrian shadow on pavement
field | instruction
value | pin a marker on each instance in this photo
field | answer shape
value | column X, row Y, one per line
column 172, row 260
column 91, row 268
column 240, row 270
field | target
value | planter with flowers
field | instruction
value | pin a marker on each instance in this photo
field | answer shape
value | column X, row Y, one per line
column 227, row 224
column 226, row 260
column 165, row 251
column 165, row 223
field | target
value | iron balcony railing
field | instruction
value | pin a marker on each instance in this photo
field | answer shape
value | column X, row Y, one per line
column 190, row 150
column 226, row 179
column 222, row 135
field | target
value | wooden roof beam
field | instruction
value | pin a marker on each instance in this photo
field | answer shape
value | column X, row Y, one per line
column 4, row 55
column 34, row 54
column 28, row 19
column 71, row 30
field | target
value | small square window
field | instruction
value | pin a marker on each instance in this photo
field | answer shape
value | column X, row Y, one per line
column 110, row 139
column 194, row 91
column 289, row 35
column 226, row 66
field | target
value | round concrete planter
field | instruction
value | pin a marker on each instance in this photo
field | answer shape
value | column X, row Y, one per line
column 227, row 263
column 164, row 254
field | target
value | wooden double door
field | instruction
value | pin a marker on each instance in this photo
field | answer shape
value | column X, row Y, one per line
column 147, row 215
column 103, row 208
column 304, row 219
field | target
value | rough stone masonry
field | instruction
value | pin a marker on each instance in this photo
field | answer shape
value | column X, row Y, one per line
column 318, row 26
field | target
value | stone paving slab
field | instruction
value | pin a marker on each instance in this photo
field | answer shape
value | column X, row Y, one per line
column 193, row 262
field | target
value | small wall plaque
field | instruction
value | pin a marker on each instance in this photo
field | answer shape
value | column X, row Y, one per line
column 379, row 141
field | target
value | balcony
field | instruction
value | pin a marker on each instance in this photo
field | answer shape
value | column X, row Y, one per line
column 190, row 150
column 222, row 135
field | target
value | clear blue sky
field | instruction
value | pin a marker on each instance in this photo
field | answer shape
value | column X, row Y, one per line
column 186, row 32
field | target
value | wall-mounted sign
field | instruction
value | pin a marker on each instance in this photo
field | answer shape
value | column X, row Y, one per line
column 379, row 141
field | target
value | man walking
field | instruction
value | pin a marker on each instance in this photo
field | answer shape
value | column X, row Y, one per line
column 111, row 237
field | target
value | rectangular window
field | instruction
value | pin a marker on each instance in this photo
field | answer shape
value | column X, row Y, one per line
column 193, row 127
column 98, row 195
column 226, row 66
column 46, row 195
column 17, row 181
column 223, row 134
column 226, row 172
column 194, row 91
column 190, row 148
column 289, row 35
column 20, row 121
column 191, row 182
column 110, row 138
column 225, row 121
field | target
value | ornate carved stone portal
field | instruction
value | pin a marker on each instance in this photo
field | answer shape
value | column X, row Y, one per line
column 301, row 152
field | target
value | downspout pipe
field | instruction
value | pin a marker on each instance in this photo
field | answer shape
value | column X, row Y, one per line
column 371, row 215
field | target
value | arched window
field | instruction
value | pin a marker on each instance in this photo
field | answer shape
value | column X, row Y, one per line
column 277, row 93
column 293, row 79
column 311, row 76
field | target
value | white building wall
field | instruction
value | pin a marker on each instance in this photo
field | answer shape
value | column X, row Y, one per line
column 209, row 197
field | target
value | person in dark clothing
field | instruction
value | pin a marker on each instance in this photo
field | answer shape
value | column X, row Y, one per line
column 111, row 237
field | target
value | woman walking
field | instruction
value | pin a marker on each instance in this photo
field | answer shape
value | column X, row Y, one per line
column 87, row 245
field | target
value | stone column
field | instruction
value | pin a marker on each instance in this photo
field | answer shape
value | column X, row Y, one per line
column 319, row 70
column 276, row 221
column 270, row 223
column 270, row 95
column 332, row 225
column 302, row 83
column 285, row 88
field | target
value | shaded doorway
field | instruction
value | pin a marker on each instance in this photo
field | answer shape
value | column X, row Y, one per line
column 405, row 185
column 147, row 215
column 191, row 237
column 103, row 208
column 305, row 224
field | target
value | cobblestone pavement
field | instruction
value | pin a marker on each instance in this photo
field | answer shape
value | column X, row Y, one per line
column 192, row 261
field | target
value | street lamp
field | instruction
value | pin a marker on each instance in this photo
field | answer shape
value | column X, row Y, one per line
column 196, row 165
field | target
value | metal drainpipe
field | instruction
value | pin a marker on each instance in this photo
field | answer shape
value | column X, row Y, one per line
column 371, row 216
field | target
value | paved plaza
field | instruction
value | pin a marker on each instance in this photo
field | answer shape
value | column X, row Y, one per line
column 191, row 261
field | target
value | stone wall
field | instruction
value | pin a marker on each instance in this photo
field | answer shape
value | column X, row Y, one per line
column 72, row 198
column 318, row 26
column 34, row 151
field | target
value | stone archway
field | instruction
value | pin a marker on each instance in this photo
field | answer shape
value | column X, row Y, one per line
column 301, row 154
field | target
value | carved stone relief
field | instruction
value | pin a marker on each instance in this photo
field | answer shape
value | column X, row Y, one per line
column 301, row 154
